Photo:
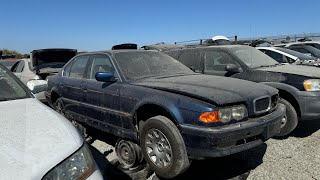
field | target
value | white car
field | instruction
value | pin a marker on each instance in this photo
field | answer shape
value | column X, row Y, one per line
column 35, row 141
column 315, row 44
column 42, row 63
column 283, row 55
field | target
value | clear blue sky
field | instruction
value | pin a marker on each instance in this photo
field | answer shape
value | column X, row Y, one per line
column 99, row 24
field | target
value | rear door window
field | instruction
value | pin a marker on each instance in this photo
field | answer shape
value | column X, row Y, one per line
column 192, row 59
column 78, row 68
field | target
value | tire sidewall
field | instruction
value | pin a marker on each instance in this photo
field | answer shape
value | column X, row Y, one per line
column 179, row 159
column 292, row 119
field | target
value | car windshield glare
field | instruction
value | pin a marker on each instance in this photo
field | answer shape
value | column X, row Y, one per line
column 252, row 57
column 9, row 88
column 145, row 64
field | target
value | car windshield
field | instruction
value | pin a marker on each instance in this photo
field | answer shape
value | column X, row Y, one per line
column 144, row 64
column 10, row 89
column 296, row 54
column 252, row 57
column 313, row 50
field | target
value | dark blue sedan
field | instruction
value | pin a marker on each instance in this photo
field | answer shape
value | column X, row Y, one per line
column 162, row 111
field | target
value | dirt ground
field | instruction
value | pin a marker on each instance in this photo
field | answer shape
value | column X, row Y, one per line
column 296, row 157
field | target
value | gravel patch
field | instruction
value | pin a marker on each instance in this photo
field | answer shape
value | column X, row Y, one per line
column 296, row 157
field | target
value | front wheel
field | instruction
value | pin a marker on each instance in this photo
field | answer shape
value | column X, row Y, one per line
column 163, row 147
column 289, row 121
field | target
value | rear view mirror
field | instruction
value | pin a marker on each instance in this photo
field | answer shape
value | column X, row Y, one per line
column 233, row 68
column 105, row 77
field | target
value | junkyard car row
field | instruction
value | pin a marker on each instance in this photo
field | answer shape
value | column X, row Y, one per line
column 165, row 107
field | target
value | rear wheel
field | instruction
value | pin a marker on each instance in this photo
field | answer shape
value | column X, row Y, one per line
column 59, row 107
column 289, row 121
column 163, row 147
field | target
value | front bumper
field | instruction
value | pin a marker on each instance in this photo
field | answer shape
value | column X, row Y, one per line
column 309, row 103
column 204, row 142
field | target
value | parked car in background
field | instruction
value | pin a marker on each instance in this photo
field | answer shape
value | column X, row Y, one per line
column 42, row 63
column 162, row 111
column 315, row 44
column 298, row 85
column 8, row 63
column 37, row 142
column 8, row 57
column 284, row 55
column 302, row 48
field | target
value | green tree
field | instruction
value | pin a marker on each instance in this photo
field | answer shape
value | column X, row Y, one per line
column 16, row 53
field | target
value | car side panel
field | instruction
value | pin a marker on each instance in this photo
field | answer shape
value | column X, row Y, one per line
column 72, row 95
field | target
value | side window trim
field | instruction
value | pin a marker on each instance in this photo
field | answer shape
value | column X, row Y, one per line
column 91, row 59
column 68, row 65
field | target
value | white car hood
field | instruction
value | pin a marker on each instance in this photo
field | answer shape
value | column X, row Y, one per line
column 33, row 139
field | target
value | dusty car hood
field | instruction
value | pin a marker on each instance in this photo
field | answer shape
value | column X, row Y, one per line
column 33, row 139
column 220, row 90
column 302, row 70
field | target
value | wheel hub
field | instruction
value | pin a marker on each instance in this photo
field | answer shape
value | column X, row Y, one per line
column 128, row 154
column 158, row 148
column 283, row 121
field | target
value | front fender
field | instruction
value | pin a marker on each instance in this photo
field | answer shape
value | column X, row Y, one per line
column 285, row 87
column 166, row 103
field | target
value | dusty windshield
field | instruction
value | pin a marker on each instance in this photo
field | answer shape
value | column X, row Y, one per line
column 145, row 64
column 9, row 88
column 252, row 57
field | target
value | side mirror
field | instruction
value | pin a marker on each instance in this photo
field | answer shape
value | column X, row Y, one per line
column 233, row 68
column 105, row 77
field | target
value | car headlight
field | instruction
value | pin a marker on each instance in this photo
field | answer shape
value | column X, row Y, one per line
column 312, row 85
column 224, row 115
column 79, row 165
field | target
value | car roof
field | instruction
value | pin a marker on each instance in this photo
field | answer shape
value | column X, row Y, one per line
column 113, row 51
column 297, row 43
column 211, row 47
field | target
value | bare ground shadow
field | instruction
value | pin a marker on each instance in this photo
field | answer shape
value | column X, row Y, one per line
column 306, row 128
column 235, row 167
column 108, row 170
